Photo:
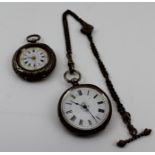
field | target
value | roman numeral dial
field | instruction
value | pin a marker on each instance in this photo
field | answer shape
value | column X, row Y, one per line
column 85, row 107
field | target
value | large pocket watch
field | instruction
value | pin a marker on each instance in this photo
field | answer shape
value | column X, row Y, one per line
column 34, row 61
column 84, row 108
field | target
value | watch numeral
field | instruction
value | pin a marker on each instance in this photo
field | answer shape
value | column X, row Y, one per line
column 88, row 92
column 89, row 121
column 81, row 122
column 95, row 95
column 73, row 118
column 101, row 110
column 100, row 102
column 70, row 111
column 80, row 92
column 73, row 96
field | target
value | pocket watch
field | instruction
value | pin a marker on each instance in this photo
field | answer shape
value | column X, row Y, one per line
column 84, row 108
column 34, row 61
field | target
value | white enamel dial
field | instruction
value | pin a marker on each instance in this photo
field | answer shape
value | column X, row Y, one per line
column 33, row 58
column 85, row 107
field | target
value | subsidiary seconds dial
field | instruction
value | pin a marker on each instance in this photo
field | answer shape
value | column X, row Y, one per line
column 84, row 109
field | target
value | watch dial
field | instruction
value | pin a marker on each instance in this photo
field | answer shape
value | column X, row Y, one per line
column 33, row 58
column 85, row 107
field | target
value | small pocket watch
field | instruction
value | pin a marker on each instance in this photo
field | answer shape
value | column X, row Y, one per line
column 34, row 61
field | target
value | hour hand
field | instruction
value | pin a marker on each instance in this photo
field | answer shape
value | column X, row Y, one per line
column 75, row 103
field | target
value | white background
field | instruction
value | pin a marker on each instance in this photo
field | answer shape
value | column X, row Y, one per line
column 125, row 36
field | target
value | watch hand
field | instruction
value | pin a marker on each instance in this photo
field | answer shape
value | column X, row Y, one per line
column 26, row 58
column 85, row 107
column 29, row 58
column 75, row 103
column 92, row 115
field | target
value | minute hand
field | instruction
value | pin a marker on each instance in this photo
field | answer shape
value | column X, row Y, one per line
column 91, row 114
